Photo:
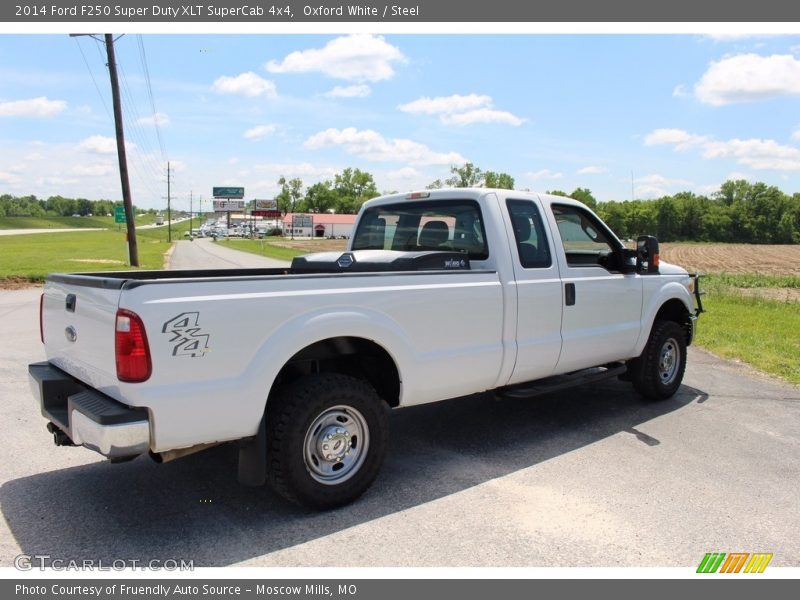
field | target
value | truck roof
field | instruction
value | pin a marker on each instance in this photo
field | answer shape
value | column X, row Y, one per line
column 473, row 193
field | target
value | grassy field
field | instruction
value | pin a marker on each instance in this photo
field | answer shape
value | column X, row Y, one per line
column 753, row 318
column 67, row 222
column 32, row 257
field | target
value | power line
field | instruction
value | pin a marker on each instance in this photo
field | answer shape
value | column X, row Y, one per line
column 146, row 71
column 94, row 81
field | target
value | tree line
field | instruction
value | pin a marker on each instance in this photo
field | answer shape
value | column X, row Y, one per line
column 740, row 211
column 57, row 206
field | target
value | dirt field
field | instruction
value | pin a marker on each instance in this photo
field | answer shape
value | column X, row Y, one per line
column 734, row 258
column 311, row 245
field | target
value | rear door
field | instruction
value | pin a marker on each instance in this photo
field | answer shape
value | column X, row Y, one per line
column 602, row 306
column 538, row 288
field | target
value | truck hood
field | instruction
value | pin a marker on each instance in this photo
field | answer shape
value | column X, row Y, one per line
column 666, row 268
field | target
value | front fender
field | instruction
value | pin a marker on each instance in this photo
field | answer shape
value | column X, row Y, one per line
column 657, row 298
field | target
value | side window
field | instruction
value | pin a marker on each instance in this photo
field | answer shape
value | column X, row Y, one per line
column 534, row 252
column 585, row 241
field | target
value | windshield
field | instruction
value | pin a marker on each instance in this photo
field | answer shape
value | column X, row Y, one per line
column 449, row 225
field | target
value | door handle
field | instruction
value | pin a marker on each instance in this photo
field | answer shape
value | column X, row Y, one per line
column 569, row 294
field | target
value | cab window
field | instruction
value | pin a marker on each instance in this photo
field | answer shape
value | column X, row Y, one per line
column 449, row 225
column 586, row 241
column 532, row 247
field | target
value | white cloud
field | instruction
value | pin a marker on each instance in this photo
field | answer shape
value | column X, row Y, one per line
column 98, row 170
column 403, row 174
column 461, row 110
column 357, row 57
column 796, row 135
column 679, row 91
column 655, row 185
column 349, row 91
column 35, row 107
column 753, row 153
column 482, row 115
column 9, row 178
column 446, row 104
column 591, row 170
column 544, row 174
column 303, row 170
column 749, row 77
column 100, row 144
column 259, row 132
column 246, row 84
column 371, row 145
column 159, row 119
column 660, row 180
column 34, row 156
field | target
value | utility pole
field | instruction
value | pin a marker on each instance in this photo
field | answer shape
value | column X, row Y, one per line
column 169, row 209
column 133, row 249
column 190, row 213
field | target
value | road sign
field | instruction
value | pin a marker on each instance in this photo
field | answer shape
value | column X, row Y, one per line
column 119, row 214
column 228, row 205
column 228, row 192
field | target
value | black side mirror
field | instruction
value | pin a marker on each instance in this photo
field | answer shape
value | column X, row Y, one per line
column 647, row 258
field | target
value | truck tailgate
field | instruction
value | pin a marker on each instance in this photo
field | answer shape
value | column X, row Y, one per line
column 78, row 321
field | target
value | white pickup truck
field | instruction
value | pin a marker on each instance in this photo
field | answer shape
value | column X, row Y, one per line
column 440, row 294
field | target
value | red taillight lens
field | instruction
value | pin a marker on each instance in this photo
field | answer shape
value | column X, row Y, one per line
column 41, row 321
column 131, row 348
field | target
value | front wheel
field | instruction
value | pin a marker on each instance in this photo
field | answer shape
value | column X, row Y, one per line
column 658, row 372
column 326, row 439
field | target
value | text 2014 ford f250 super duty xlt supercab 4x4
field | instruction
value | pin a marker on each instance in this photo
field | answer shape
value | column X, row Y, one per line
column 440, row 294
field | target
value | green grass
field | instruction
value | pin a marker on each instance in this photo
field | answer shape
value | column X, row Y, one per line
column 760, row 332
column 67, row 222
column 725, row 281
column 32, row 257
column 263, row 248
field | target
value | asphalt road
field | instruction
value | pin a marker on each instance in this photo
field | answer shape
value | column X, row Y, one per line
column 204, row 253
column 590, row 477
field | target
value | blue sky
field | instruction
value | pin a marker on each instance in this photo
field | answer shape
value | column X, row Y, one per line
column 673, row 112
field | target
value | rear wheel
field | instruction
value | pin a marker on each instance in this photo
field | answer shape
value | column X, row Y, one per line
column 658, row 372
column 326, row 439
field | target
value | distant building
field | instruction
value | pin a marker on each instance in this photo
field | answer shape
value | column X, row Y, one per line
column 322, row 225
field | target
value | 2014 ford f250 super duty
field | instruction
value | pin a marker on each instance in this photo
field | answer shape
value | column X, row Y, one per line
column 440, row 294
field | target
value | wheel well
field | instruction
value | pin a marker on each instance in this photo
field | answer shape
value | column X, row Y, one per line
column 675, row 310
column 357, row 357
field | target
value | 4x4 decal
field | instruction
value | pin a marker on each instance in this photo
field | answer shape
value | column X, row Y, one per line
column 186, row 334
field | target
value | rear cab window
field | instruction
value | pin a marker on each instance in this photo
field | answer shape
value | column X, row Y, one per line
column 529, row 234
column 447, row 225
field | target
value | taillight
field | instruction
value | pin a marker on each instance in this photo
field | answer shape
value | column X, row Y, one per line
column 41, row 321
column 131, row 349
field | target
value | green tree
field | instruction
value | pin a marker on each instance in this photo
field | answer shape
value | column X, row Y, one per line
column 320, row 197
column 467, row 175
column 584, row 195
column 498, row 180
column 290, row 194
column 353, row 187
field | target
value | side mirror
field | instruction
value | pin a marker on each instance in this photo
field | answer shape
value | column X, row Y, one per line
column 647, row 258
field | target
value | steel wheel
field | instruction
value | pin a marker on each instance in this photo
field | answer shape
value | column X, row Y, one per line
column 669, row 360
column 335, row 445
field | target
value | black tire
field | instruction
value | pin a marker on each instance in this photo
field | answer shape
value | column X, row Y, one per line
column 341, row 414
column 658, row 372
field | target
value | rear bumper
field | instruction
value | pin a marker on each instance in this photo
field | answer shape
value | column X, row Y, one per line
column 87, row 417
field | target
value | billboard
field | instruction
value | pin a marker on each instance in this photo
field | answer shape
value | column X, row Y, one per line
column 228, row 205
column 266, row 205
column 228, row 192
